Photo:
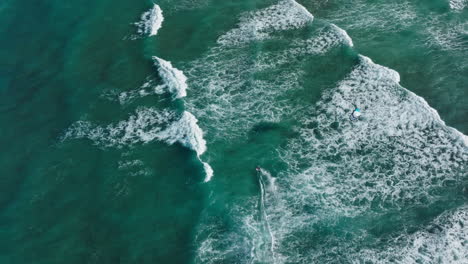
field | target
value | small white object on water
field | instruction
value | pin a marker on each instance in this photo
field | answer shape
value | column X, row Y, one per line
column 355, row 114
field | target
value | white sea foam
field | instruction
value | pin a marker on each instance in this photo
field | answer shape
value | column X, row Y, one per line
column 225, row 83
column 151, row 21
column 444, row 240
column 173, row 78
column 285, row 15
column 458, row 4
column 208, row 171
column 187, row 132
column 344, row 35
column 452, row 37
column 134, row 168
column 174, row 82
column 401, row 153
column 326, row 39
column 386, row 16
column 130, row 163
column 396, row 155
column 183, row 5
column 148, row 88
column 145, row 126
column 224, row 89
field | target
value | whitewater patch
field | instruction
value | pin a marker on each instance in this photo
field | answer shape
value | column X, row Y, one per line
column 452, row 37
column 326, row 39
column 187, row 132
column 142, row 127
column 386, row 16
column 401, row 154
column 225, row 81
column 151, row 21
column 147, row 125
column 458, row 4
column 398, row 154
column 134, row 168
column 174, row 82
column 174, row 79
column 444, row 240
column 223, row 90
column 183, row 5
column 251, row 241
column 148, row 88
column 257, row 25
column 208, row 171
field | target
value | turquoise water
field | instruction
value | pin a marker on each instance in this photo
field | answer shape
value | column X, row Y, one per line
column 131, row 131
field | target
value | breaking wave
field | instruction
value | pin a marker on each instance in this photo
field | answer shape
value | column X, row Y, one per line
column 151, row 21
column 146, row 125
column 174, row 79
column 186, row 130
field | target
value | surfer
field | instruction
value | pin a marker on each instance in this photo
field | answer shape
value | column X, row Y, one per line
column 355, row 114
column 258, row 168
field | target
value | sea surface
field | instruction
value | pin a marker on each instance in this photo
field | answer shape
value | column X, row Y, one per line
column 130, row 131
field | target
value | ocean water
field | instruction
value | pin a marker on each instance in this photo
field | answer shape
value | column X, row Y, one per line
column 131, row 131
